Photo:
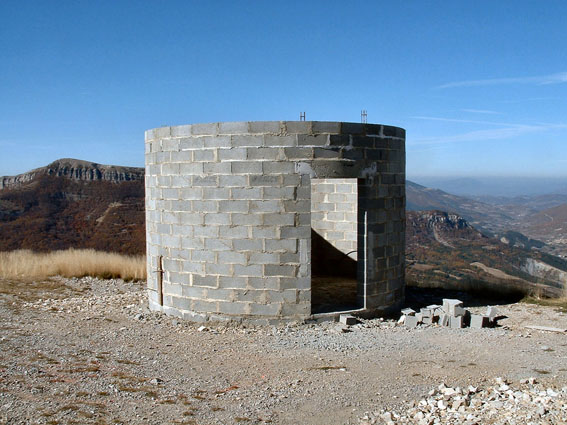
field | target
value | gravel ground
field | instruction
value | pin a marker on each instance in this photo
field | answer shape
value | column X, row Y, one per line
column 88, row 351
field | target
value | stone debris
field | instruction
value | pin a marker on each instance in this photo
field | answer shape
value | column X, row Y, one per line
column 502, row 403
column 451, row 314
column 347, row 319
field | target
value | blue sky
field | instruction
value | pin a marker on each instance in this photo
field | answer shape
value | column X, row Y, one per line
column 481, row 87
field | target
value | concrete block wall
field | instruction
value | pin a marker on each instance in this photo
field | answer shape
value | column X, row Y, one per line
column 228, row 215
column 334, row 206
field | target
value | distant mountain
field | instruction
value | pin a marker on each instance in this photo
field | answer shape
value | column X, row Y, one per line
column 74, row 204
column 444, row 250
column 497, row 186
column 484, row 216
column 75, row 169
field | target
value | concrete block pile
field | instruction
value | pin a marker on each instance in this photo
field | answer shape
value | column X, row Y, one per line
column 451, row 314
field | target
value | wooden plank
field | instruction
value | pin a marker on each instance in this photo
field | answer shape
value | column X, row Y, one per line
column 546, row 328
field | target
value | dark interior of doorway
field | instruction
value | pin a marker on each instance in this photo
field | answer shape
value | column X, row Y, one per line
column 333, row 278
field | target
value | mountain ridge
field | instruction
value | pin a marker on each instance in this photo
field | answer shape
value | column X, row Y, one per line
column 76, row 169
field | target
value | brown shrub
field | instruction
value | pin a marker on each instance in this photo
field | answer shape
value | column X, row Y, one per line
column 25, row 264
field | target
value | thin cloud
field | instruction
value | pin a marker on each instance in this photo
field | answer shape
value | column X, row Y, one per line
column 558, row 78
column 427, row 118
column 484, row 135
column 481, row 111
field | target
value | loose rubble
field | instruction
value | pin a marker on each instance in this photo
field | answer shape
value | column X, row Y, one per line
column 524, row 403
column 451, row 314
column 91, row 352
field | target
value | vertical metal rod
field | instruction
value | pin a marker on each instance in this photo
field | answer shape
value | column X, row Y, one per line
column 160, row 280
column 365, row 256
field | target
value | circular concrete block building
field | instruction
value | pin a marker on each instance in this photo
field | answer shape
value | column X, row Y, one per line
column 275, row 221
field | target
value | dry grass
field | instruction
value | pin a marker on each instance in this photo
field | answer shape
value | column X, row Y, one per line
column 25, row 264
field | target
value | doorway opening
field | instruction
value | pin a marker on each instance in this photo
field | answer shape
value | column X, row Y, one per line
column 334, row 240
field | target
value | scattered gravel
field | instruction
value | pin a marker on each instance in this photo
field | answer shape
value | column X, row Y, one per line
column 89, row 351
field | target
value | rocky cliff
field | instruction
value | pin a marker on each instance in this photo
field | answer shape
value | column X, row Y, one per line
column 76, row 169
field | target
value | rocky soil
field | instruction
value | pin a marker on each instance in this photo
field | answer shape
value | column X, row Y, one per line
column 88, row 351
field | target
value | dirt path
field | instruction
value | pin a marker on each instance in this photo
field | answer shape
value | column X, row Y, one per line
column 87, row 351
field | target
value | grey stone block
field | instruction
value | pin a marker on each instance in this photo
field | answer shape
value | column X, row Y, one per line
column 325, row 127
column 411, row 321
column 181, row 131
column 247, row 167
column 492, row 313
column 232, row 154
column 453, row 307
column 265, row 127
column 233, row 127
column 347, row 319
column 479, row 321
column 280, row 141
column 204, row 129
column 247, row 141
column 456, row 322
column 232, row 308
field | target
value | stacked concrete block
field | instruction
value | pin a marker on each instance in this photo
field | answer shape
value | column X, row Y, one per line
column 228, row 215
column 451, row 314
column 334, row 210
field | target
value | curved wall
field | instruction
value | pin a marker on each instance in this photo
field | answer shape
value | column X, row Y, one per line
column 228, row 215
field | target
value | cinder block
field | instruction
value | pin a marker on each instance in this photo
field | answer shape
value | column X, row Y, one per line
column 280, row 270
column 479, row 321
column 444, row 319
column 270, row 154
column 204, row 129
column 203, row 155
column 453, row 307
column 411, row 321
column 247, row 219
column 456, row 322
column 280, row 141
column 263, row 180
column 232, row 154
column 233, row 127
column 426, row 312
column 233, row 181
column 312, row 140
column 203, row 256
column 231, row 257
column 264, row 127
column 271, row 206
column 247, row 141
column 492, row 313
column 246, row 167
column 427, row 320
column 347, row 319
column 278, row 167
column 250, row 193
column 408, row 312
column 232, row 308
column 326, row 127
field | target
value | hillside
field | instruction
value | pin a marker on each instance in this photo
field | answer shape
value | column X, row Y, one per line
column 79, row 204
column 444, row 250
column 74, row 204
column 480, row 214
